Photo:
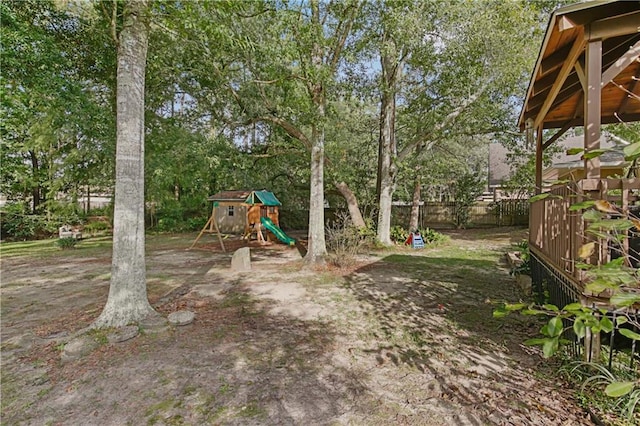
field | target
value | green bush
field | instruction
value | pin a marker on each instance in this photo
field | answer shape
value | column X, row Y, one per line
column 66, row 243
column 18, row 225
column 432, row 237
column 95, row 227
column 398, row 234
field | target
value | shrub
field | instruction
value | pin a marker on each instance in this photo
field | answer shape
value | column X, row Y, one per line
column 18, row 225
column 344, row 241
column 66, row 243
column 432, row 237
column 398, row 234
column 96, row 227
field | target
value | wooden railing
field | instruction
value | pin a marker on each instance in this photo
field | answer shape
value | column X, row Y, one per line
column 557, row 233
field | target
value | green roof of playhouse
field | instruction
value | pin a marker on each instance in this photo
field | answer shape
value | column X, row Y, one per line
column 263, row 197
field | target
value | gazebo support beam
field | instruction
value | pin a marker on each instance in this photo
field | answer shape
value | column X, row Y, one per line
column 555, row 137
column 539, row 150
column 592, row 106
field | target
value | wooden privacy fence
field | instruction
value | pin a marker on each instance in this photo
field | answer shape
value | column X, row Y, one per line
column 442, row 214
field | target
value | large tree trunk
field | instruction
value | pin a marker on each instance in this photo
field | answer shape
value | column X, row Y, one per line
column 317, row 247
column 415, row 205
column 352, row 204
column 391, row 70
column 127, row 302
column 36, row 190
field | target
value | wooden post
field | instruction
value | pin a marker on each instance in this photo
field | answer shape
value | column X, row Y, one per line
column 592, row 106
column 539, row 151
column 213, row 227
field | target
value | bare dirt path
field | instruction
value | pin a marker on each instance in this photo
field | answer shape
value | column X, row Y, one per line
column 405, row 337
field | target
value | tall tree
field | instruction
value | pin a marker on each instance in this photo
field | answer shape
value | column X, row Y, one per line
column 277, row 66
column 459, row 76
column 127, row 301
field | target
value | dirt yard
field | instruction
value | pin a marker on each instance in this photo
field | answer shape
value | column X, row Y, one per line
column 403, row 337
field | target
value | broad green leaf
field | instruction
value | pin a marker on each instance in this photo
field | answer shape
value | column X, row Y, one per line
column 630, row 334
column 514, row 306
column 594, row 153
column 623, row 299
column 592, row 215
column 614, row 264
column 549, row 307
column 579, row 328
column 582, row 205
column 550, row 347
column 500, row 313
column 574, row 151
column 532, row 312
column 606, row 324
column 534, row 342
column 618, row 389
column 611, row 224
column 621, row 320
column 554, row 327
column 599, row 285
column 573, row 307
column 539, row 197
column 586, row 250
column 631, row 152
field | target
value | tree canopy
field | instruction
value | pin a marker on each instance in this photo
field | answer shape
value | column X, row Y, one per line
column 345, row 103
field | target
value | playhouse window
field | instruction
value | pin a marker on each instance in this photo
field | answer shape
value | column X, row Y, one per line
column 231, row 210
column 272, row 210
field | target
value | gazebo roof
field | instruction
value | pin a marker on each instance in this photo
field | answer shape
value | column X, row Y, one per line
column 555, row 94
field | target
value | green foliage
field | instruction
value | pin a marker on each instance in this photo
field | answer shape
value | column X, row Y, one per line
column 17, row 224
column 615, row 391
column 66, row 243
column 432, row 237
column 95, row 227
column 467, row 189
column 608, row 225
column 399, row 234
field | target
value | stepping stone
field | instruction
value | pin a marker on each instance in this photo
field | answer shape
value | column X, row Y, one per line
column 181, row 317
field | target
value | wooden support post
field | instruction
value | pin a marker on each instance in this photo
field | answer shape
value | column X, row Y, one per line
column 204, row 229
column 213, row 227
column 539, row 151
column 592, row 106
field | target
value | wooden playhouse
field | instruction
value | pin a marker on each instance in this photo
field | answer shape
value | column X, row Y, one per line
column 238, row 212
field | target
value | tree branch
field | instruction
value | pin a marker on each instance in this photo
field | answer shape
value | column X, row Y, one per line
column 424, row 138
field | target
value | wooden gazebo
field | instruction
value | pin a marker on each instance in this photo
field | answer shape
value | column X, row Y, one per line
column 587, row 74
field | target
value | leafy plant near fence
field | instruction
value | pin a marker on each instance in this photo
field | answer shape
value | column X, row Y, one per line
column 430, row 236
column 609, row 227
column 523, row 252
column 66, row 243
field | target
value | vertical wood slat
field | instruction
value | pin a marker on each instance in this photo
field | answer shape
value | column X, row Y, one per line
column 559, row 233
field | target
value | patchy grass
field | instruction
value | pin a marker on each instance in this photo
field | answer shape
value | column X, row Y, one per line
column 404, row 336
column 49, row 248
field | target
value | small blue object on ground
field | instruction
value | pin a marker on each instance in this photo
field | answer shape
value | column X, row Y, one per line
column 416, row 241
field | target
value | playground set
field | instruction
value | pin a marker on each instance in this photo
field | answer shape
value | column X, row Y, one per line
column 246, row 212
